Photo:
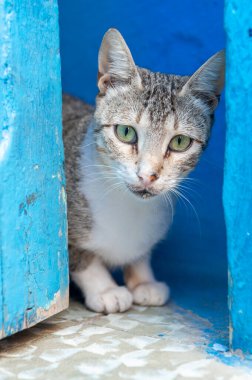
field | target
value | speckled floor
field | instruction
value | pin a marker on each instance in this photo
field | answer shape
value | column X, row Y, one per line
column 145, row 343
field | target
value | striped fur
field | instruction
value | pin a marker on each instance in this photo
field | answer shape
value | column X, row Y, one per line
column 115, row 219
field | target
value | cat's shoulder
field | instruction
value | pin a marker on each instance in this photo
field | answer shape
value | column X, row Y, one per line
column 74, row 108
column 76, row 115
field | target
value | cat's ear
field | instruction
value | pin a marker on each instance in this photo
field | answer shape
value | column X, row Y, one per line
column 115, row 62
column 207, row 82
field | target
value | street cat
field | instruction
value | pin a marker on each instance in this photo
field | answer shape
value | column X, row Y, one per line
column 124, row 160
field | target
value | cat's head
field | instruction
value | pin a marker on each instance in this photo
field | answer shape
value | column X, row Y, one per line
column 152, row 127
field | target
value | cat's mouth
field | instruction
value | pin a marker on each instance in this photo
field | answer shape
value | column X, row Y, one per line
column 144, row 194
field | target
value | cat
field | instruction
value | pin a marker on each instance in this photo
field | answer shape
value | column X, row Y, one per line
column 123, row 161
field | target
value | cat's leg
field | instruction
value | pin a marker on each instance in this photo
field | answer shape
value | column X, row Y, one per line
column 101, row 292
column 143, row 286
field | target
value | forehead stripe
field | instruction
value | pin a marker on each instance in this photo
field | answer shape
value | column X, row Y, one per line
column 139, row 115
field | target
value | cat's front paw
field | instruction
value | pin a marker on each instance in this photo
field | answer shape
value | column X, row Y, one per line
column 151, row 294
column 113, row 300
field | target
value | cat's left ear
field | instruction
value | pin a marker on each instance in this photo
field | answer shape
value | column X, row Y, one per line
column 115, row 63
column 208, row 81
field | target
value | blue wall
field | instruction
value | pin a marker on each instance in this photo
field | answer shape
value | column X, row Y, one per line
column 237, row 194
column 173, row 37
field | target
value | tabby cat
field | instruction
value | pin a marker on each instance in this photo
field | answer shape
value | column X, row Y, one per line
column 123, row 161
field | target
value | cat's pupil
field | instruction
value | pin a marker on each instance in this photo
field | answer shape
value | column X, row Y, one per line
column 179, row 140
column 126, row 131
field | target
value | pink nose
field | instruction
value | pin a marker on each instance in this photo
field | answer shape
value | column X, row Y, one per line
column 147, row 179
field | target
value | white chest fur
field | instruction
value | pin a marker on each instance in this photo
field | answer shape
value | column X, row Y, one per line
column 124, row 227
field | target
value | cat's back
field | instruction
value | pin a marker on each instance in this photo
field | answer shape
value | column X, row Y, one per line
column 76, row 117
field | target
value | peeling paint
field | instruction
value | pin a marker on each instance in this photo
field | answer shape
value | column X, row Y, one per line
column 5, row 143
column 59, row 303
column 30, row 199
column 33, row 286
column 63, row 195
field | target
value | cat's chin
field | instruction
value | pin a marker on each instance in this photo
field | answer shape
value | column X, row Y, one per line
column 142, row 194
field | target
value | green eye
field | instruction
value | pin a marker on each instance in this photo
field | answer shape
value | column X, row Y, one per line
column 180, row 143
column 126, row 134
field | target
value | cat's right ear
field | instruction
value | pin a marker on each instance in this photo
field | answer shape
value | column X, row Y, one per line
column 115, row 63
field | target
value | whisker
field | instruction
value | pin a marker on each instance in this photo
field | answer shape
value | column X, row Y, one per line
column 85, row 146
column 111, row 188
column 94, row 178
column 188, row 189
column 182, row 196
column 97, row 165
column 168, row 201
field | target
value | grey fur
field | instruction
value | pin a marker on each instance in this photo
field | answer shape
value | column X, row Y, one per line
column 76, row 117
column 126, row 89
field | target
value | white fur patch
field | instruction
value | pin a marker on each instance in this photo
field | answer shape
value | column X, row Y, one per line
column 124, row 227
column 101, row 292
column 5, row 143
column 151, row 294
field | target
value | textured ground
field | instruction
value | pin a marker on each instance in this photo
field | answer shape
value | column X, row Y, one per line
column 145, row 343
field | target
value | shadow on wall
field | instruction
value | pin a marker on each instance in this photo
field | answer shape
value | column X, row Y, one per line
column 172, row 37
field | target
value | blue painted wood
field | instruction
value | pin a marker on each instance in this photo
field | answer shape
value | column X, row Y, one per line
column 33, row 243
column 238, row 170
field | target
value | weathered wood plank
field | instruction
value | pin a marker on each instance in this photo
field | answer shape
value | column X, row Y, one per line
column 33, row 245
column 238, row 170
